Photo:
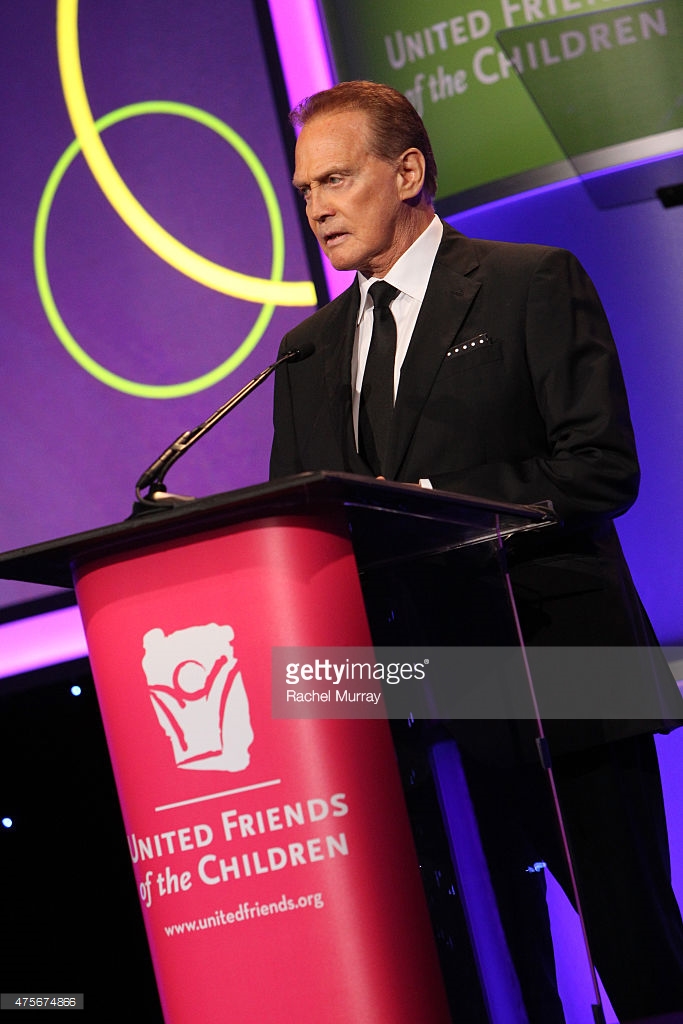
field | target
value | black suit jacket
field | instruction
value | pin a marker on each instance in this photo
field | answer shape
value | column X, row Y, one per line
column 511, row 390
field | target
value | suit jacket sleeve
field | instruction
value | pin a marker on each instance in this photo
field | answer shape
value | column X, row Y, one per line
column 558, row 427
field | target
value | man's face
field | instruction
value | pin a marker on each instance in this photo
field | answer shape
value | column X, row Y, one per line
column 355, row 202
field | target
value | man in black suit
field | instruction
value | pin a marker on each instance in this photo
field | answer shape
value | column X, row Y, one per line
column 506, row 386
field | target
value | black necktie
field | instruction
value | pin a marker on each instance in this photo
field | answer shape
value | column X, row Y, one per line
column 377, row 392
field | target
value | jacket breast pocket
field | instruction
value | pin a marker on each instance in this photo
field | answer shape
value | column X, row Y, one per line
column 470, row 353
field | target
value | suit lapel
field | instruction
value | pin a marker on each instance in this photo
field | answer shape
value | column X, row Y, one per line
column 446, row 303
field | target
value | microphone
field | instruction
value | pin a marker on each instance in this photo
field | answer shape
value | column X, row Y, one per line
column 153, row 476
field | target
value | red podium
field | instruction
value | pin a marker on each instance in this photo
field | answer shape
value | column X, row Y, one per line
column 274, row 859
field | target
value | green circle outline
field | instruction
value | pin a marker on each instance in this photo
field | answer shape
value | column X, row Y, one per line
column 85, row 361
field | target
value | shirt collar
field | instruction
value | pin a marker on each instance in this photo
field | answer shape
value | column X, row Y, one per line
column 411, row 271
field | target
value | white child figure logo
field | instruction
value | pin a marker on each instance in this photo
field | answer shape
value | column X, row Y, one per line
column 198, row 696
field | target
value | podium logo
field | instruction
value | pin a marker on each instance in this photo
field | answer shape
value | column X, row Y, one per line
column 199, row 697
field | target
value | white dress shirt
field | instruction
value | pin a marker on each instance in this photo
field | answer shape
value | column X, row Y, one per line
column 410, row 274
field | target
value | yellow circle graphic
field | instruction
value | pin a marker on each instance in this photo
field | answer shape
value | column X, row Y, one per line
column 168, row 248
column 86, row 361
column 268, row 292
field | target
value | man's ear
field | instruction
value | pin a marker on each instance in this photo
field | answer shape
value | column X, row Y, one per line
column 411, row 174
